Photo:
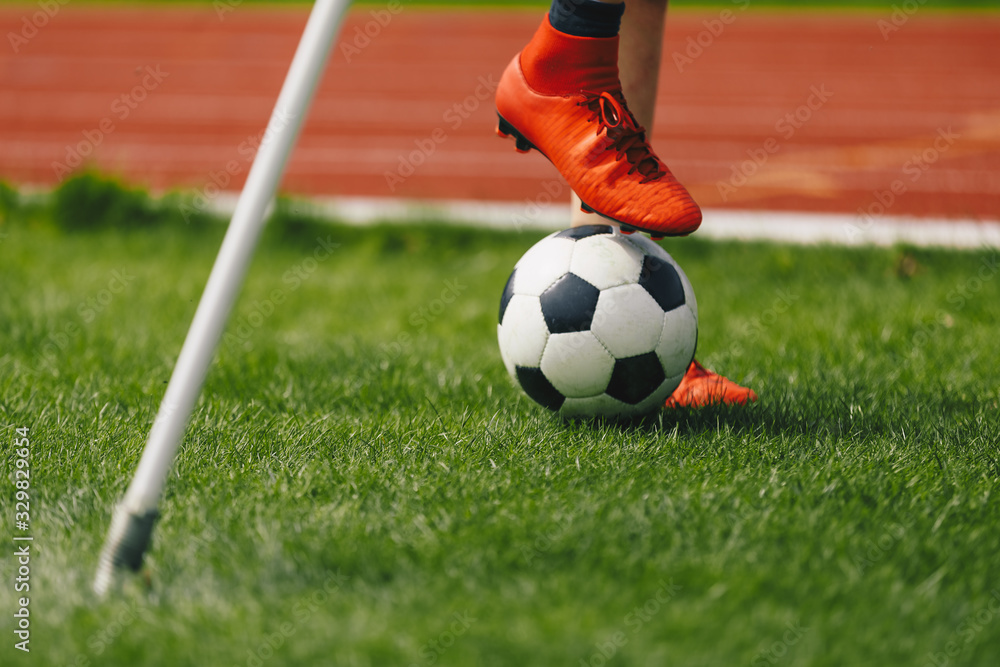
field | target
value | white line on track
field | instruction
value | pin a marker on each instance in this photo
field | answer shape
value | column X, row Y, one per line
column 799, row 228
column 724, row 224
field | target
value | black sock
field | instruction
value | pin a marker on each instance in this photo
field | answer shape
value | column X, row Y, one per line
column 586, row 18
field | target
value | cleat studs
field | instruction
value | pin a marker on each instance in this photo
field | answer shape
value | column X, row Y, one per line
column 627, row 229
column 655, row 237
column 585, row 208
column 505, row 130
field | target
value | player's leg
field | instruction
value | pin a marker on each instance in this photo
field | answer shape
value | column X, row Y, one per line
column 639, row 53
column 562, row 95
column 639, row 57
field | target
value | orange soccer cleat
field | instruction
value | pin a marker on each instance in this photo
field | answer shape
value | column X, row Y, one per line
column 701, row 387
column 562, row 96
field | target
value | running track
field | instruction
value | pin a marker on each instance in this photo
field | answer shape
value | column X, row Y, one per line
column 918, row 108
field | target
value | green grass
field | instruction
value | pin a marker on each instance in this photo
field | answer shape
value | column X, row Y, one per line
column 356, row 435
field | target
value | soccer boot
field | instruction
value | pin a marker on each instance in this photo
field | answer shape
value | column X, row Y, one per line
column 701, row 387
column 562, row 96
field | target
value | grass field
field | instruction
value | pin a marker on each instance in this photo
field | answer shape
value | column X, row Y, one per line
column 362, row 484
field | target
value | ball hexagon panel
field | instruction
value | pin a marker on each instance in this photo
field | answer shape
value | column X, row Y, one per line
column 661, row 280
column 635, row 378
column 523, row 344
column 537, row 386
column 657, row 398
column 569, row 304
column 542, row 265
column 577, row 364
column 627, row 321
column 606, row 261
column 652, row 248
column 679, row 340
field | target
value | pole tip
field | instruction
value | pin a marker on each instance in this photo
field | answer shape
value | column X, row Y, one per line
column 127, row 541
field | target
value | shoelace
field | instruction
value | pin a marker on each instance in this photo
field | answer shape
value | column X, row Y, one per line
column 624, row 134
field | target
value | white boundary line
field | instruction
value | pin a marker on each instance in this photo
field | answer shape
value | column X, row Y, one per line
column 724, row 224
column 727, row 224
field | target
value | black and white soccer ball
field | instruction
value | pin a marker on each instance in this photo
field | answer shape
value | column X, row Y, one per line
column 593, row 322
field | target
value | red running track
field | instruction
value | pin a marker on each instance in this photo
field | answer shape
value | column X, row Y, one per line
column 173, row 97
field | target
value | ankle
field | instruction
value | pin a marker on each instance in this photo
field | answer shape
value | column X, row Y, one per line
column 555, row 63
column 586, row 18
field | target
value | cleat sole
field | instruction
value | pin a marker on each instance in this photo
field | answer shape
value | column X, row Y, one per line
column 654, row 235
column 505, row 130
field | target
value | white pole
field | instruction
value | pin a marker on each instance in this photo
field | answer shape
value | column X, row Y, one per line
column 132, row 523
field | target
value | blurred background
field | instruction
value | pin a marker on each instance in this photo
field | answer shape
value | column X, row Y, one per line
column 872, row 109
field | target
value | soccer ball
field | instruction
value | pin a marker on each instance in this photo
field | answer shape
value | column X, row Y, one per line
column 593, row 322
